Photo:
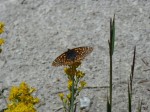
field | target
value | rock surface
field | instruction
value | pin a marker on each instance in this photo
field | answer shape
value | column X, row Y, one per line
column 37, row 31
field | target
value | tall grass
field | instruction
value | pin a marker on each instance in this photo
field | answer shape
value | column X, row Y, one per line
column 130, row 82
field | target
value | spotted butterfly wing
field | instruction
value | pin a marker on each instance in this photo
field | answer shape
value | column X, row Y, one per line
column 72, row 55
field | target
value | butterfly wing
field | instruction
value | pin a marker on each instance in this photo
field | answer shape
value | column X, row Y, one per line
column 60, row 60
column 81, row 53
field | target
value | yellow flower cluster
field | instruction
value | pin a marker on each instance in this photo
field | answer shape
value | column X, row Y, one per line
column 20, row 107
column 82, row 85
column 69, row 84
column 80, row 74
column 21, row 99
column 1, row 31
column 1, row 27
column 1, row 41
column 61, row 95
column 72, row 71
column 75, row 85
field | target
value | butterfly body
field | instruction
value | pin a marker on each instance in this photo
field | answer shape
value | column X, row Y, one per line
column 72, row 55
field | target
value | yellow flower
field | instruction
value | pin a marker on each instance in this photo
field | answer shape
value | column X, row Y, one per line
column 83, row 83
column 69, row 84
column 13, row 93
column 24, row 88
column 2, row 41
column 21, row 99
column 71, row 70
column 61, row 95
column 75, row 65
column 80, row 74
column 36, row 100
column 22, row 107
column 32, row 90
column 67, row 71
column 69, row 96
column 2, row 27
column 11, row 105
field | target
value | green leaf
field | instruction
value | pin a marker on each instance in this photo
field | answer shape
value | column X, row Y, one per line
column 112, row 34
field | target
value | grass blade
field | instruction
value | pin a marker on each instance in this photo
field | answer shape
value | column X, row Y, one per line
column 129, row 98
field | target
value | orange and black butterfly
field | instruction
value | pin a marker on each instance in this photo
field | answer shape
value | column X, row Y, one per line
column 72, row 55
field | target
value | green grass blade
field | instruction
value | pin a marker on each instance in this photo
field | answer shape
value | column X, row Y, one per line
column 111, row 49
column 129, row 98
column 112, row 34
column 108, row 105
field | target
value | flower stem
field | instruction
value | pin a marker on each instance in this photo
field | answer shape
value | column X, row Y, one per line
column 72, row 95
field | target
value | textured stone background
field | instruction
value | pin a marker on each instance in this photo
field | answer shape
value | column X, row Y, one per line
column 37, row 31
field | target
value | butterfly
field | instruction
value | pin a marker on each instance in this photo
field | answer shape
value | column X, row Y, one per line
column 72, row 55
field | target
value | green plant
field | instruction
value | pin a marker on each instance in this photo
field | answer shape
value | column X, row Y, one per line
column 75, row 85
column 111, row 51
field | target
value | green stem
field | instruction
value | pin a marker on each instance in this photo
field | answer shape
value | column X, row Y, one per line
column 64, row 105
column 72, row 95
column 110, row 80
